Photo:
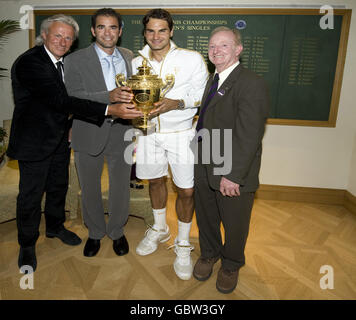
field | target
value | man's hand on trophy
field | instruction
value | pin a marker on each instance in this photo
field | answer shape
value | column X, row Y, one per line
column 124, row 111
column 163, row 106
column 121, row 94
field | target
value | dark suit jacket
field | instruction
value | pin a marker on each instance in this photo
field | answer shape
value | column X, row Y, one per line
column 242, row 105
column 42, row 107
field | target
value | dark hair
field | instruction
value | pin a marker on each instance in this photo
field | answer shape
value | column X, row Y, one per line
column 158, row 14
column 106, row 12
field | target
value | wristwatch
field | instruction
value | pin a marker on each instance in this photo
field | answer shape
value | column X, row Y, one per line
column 181, row 104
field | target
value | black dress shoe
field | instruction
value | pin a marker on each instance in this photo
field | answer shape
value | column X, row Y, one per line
column 92, row 247
column 67, row 237
column 121, row 246
column 27, row 257
column 136, row 185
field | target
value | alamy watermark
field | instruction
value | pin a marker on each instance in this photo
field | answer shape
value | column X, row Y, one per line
column 27, row 20
column 327, row 280
column 27, row 280
column 327, row 21
column 215, row 149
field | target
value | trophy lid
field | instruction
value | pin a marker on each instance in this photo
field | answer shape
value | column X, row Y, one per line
column 145, row 69
column 144, row 73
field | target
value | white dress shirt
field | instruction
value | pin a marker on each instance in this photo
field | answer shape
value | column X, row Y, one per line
column 224, row 74
column 54, row 59
column 119, row 66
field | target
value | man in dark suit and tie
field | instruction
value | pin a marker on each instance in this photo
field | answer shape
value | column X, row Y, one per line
column 235, row 103
column 90, row 74
column 39, row 134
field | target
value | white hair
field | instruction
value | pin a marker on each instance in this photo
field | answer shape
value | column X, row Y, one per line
column 56, row 18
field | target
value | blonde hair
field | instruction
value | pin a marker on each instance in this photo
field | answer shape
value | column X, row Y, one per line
column 57, row 18
column 236, row 33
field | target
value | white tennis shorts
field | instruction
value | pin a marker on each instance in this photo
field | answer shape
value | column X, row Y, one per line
column 155, row 151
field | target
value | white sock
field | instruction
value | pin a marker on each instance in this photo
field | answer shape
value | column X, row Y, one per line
column 183, row 232
column 159, row 216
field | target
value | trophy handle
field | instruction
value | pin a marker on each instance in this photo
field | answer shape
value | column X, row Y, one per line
column 120, row 80
column 167, row 85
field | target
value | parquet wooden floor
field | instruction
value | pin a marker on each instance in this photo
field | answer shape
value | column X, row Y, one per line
column 287, row 245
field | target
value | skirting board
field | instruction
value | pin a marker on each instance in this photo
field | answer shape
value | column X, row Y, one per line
column 350, row 202
column 305, row 194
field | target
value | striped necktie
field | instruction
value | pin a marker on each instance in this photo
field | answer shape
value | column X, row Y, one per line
column 210, row 96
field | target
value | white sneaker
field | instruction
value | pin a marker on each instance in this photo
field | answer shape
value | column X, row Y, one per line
column 151, row 239
column 183, row 264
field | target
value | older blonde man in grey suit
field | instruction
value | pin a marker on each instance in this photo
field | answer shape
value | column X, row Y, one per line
column 90, row 73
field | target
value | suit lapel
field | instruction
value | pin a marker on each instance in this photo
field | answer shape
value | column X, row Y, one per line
column 47, row 59
column 127, row 62
column 94, row 64
column 207, row 88
column 45, row 55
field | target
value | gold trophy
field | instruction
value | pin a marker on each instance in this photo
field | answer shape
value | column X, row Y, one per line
column 147, row 89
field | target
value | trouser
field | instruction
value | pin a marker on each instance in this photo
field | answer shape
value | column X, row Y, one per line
column 36, row 177
column 90, row 169
column 212, row 209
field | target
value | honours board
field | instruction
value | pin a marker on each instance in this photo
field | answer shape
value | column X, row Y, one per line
column 301, row 62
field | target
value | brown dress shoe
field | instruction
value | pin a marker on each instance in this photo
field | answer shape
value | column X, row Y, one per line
column 227, row 280
column 204, row 268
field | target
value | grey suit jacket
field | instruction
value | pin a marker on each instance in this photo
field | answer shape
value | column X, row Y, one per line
column 84, row 79
column 242, row 105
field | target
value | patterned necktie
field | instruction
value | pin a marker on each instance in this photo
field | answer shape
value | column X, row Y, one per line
column 210, row 96
column 110, row 76
column 60, row 69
